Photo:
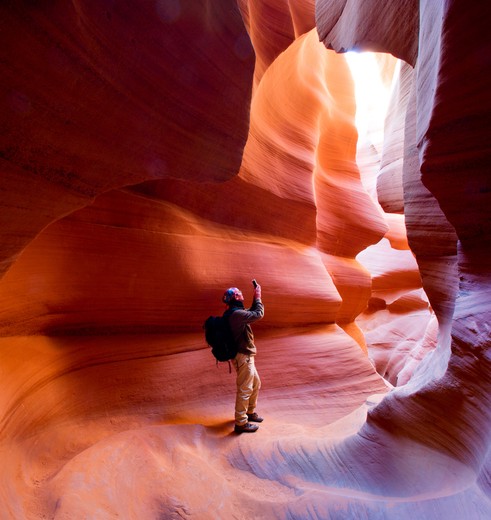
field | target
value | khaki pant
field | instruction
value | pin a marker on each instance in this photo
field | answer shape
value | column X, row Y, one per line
column 248, row 385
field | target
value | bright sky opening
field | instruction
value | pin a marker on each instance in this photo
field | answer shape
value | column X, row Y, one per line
column 372, row 95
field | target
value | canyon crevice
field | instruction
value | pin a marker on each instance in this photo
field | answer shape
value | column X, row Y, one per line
column 154, row 154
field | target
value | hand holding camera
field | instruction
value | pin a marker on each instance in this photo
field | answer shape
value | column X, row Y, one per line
column 257, row 290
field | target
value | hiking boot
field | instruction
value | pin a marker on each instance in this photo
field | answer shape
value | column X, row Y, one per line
column 254, row 417
column 246, row 428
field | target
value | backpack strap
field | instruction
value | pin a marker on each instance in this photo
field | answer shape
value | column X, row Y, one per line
column 229, row 365
column 227, row 315
column 230, row 311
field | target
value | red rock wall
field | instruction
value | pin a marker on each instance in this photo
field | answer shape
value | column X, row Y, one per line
column 444, row 412
column 154, row 154
column 96, row 96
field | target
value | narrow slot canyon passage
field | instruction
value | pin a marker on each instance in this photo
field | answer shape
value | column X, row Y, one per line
column 154, row 154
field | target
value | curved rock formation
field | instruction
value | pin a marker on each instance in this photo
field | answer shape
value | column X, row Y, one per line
column 443, row 411
column 96, row 96
column 155, row 153
column 373, row 25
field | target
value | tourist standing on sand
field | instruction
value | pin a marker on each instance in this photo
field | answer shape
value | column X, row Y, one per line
column 248, row 382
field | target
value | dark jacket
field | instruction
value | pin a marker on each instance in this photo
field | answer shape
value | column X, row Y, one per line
column 239, row 323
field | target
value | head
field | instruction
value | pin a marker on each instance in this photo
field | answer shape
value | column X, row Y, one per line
column 232, row 295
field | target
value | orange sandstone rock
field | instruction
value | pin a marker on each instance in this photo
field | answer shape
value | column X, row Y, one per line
column 96, row 96
column 134, row 191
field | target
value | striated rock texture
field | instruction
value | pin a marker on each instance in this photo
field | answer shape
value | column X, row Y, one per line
column 445, row 408
column 155, row 153
column 97, row 95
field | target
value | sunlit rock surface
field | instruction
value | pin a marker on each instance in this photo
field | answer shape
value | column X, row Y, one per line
column 154, row 154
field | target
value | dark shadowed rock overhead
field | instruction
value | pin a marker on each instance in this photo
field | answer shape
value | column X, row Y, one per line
column 99, row 94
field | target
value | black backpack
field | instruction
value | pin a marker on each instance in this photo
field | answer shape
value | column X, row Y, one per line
column 219, row 337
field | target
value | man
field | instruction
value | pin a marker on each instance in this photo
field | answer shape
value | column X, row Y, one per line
column 248, row 382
